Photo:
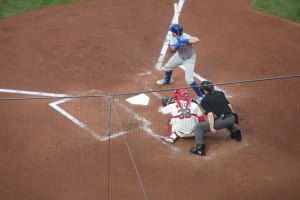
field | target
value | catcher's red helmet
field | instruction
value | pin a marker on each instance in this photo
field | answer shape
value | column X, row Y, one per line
column 180, row 94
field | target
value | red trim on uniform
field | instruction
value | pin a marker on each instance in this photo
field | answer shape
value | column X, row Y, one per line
column 169, row 128
column 201, row 118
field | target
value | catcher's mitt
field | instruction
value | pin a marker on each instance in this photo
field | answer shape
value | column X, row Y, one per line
column 166, row 101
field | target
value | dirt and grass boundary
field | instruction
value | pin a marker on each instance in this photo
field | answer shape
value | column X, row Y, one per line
column 10, row 8
column 288, row 9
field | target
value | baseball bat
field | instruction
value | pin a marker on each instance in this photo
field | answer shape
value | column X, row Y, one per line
column 176, row 13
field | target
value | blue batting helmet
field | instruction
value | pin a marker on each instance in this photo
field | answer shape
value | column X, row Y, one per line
column 176, row 28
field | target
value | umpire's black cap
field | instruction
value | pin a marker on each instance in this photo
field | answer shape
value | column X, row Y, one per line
column 207, row 86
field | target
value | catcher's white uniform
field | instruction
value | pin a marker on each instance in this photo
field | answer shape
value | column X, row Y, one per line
column 185, row 115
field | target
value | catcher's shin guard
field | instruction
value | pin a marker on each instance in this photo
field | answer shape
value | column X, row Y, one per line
column 171, row 135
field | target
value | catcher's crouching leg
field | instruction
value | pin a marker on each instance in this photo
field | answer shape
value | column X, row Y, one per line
column 171, row 135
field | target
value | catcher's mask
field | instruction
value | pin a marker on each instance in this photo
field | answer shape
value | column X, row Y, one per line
column 180, row 94
column 207, row 86
column 176, row 28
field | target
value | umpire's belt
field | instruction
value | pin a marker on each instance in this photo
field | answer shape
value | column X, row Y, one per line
column 222, row 115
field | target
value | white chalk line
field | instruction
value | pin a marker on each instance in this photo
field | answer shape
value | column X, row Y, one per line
column 145, row 124
column 203, row 79
column 55, row 105
column 167, row 39
column 32, row 93
column 79, row 123
column 164, row 48
column 160, row 63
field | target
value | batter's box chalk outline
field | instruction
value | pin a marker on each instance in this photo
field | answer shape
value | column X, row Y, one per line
column 55, row 105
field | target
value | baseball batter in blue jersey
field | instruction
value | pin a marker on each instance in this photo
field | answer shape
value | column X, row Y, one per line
column 185, row 55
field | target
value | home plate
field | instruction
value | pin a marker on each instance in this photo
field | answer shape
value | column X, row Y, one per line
column 140, row 99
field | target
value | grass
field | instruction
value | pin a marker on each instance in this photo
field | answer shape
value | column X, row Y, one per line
column 13, row 7
column 288, row 9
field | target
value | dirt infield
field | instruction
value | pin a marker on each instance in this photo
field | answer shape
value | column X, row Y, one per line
column 102, row 46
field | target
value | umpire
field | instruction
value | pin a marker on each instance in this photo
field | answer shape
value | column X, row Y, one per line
column 220, row 115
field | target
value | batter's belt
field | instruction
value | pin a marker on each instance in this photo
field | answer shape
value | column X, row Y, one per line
column 187, row 57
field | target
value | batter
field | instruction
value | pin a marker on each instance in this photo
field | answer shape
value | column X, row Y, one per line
column 185, row 55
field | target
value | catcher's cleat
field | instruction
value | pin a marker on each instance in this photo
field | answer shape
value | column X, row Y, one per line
column 163, row 81
column 236, row 135
column 167, row 139
column 200, row 149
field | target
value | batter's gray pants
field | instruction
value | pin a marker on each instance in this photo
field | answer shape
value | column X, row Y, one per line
column 203, row 127
column 189, row 65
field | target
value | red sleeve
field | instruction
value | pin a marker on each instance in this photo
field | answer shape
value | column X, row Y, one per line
column 201, row 119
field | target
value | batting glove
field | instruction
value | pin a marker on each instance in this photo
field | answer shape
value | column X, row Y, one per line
column 180, row 39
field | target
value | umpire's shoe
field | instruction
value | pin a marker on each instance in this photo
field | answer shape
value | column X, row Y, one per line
column 236, row 135
column 200, row 149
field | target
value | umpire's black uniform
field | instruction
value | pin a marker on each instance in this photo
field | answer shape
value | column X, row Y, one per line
column 219, row 114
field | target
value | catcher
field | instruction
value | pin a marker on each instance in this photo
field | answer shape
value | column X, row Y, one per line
column 185, row 115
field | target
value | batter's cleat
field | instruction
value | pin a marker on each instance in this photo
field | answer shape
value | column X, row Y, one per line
column 198, row 100
column 163, row 82
column 236, row 135
column 167, row 139
column 200, row 149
